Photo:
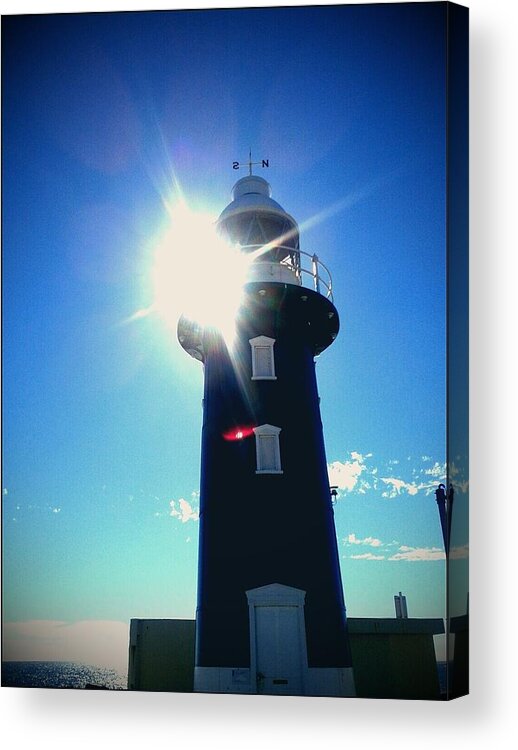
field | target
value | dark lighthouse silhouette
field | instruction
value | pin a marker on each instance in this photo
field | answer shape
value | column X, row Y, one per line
column 270, row 612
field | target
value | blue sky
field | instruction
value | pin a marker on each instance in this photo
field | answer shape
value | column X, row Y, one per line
column 109, row 118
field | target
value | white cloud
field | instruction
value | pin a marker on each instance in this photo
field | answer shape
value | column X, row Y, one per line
column 404, row 552
column 458, row 476
column 369, row 541
column 397, row 485
column 359, row 457
column 184, row 511
column 367, row 556
column 438, row 470
column 4, row 491
column 428, row 487
column 356, row 475
column 460, row 553
column 344, row 474
column 418, row 554
column 373, row 542
column 95, row 642
column 454, row 469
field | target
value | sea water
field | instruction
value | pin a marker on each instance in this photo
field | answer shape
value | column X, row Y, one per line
column 60, row 674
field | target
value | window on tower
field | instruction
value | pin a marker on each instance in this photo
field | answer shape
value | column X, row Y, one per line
column 263, row 365
column 267, row 449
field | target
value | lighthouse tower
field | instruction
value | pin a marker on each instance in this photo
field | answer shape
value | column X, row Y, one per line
column 270, row 612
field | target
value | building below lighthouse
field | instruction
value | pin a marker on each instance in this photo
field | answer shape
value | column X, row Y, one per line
column 270, row 612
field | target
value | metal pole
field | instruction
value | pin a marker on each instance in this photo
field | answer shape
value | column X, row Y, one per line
column 440, row 496
column 451, row 493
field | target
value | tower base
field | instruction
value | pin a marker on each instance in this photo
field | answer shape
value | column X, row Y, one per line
column 278, row 653
column 324, row 682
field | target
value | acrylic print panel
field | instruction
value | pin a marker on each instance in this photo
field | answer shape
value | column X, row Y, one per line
column 176, row 187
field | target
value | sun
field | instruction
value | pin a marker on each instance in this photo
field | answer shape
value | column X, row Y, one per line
column 195, row 273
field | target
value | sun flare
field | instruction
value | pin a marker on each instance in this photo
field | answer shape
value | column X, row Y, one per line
column 197, row 274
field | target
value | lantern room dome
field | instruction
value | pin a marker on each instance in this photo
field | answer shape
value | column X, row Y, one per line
column 251, row 185
column 254, row 218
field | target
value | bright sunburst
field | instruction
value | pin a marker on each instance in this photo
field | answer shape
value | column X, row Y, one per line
column 196, row 274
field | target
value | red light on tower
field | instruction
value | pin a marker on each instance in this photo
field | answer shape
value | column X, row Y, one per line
column 238, row 433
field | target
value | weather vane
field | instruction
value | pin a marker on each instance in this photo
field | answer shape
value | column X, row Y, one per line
column 250, row 163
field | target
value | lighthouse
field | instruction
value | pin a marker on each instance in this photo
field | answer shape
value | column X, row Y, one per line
column 270, row 612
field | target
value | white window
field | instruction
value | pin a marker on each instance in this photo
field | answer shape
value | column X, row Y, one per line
column 263, row 366
column 267, row 449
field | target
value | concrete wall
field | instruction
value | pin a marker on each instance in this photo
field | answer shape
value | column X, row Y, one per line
column 391, row 658
column 161, row 655
column 395, row 658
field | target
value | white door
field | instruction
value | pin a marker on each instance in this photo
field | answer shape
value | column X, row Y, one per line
column 279, row 651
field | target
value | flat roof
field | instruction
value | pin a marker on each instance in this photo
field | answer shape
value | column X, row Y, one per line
column 393, row 625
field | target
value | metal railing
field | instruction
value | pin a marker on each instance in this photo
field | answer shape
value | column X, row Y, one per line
column 307, row 268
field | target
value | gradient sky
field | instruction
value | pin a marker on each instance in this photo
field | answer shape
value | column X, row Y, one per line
column 109, row 118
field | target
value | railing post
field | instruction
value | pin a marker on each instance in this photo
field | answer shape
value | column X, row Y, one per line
column 316, row 279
